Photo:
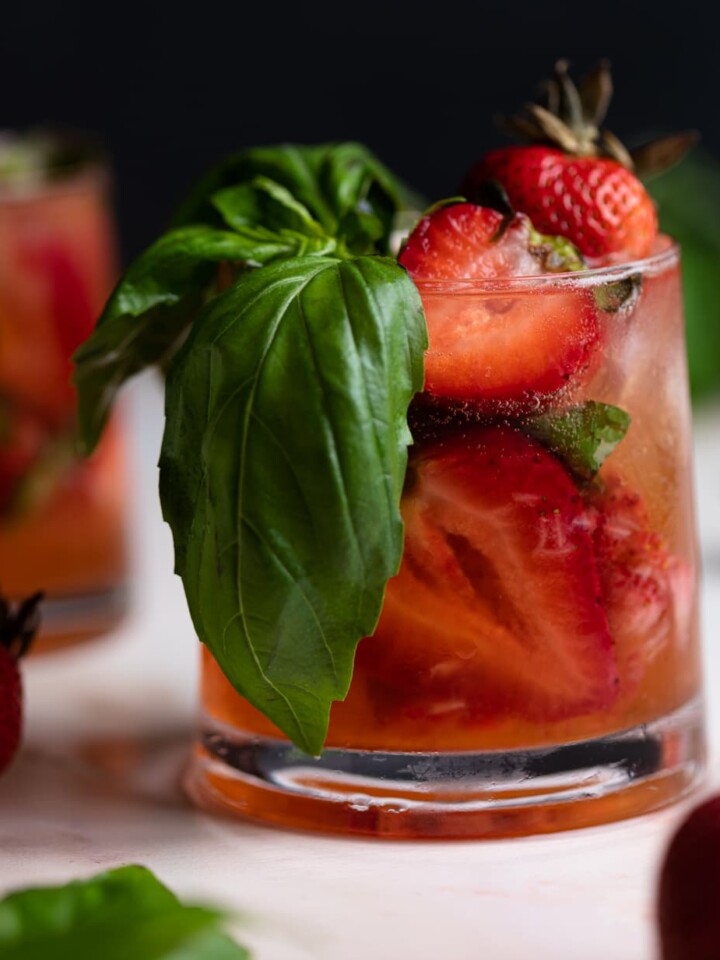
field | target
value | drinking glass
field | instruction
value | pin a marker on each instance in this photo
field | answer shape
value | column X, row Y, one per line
column 536, row 664
column 62, row 519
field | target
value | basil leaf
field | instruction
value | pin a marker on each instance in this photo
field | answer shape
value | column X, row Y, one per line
column 263, row 201
column 583, row 436
column 329, row 180
column 123, row 913
column 149, row 312
column 281, row 472
column 361, row 232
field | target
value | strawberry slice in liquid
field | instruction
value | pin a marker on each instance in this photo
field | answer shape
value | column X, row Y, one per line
column 648, row 591
column 497, row 609
column 515, row 344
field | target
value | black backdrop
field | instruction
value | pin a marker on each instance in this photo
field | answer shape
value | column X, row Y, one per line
column 169, row 92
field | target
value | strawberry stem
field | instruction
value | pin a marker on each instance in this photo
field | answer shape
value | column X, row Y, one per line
column 19, row 623
column 571, row 118
column 491, row 193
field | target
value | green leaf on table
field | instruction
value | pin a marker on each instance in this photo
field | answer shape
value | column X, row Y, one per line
column 281, row 472
column 148, row 314
column 584, row 436
column 335, row 182
column 688, row 199
column 124, row 913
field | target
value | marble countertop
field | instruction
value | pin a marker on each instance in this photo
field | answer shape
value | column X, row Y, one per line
column 97, row 785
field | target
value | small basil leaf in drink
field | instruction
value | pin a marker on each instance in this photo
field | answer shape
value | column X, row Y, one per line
column 584, row 436
column 126, row 912
column 281, row 473
column 618, row 294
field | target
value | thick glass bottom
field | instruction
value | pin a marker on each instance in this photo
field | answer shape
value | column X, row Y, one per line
column 488, row 794
column 67, row 620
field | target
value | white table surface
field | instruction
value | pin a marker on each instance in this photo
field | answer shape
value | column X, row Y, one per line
column 96, row 785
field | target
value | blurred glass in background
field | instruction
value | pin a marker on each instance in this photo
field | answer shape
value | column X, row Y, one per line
column 62, row 519
column 688, row 198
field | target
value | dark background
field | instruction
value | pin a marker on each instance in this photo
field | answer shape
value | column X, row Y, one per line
column 169, row 92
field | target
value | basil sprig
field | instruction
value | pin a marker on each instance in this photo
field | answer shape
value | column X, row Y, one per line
column 338, row 183
column 290, row 372
column 263, row 205
column 123, row 913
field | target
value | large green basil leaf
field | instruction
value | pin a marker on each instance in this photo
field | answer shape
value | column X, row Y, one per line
column 281, row 472
column 123, row 913
column 148, row 314
column 341, row 184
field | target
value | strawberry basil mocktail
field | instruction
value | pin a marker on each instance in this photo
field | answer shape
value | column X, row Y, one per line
column 546, row 595
column 61, row 517
column 433, row 512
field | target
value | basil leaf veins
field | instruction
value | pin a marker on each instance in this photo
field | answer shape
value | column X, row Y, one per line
column 149, row 313
column 281, row 472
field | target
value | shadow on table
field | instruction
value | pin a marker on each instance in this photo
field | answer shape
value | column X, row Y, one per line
column 144, row 769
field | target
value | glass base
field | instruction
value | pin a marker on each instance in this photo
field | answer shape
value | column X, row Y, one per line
column 73, row 619
column 452, row 795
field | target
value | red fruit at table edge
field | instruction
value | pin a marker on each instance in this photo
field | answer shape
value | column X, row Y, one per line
column 689, row 892
column 520, row 350
column 575, row 179
column 18, row 625
column 497, row 607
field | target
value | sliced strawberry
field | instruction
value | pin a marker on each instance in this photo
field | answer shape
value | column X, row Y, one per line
column 454, row 243
column 497, row 607
column 509, row 345
column 648, row 592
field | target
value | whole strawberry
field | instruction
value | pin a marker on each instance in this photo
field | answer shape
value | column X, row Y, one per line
column 689, row 894
column 18, row 625
column 575, row 179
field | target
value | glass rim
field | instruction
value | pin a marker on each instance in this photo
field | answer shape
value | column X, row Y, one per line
column 83, row 163
column 666, row 255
